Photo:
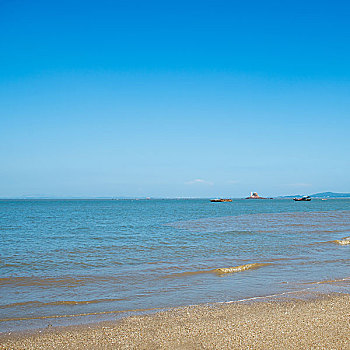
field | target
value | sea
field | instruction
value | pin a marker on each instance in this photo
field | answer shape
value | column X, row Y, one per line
column 68, row 262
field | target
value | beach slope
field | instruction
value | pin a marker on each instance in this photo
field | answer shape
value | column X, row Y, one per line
column 294, row 324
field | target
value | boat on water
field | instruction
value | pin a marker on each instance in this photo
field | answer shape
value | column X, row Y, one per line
column 303, row 199
column 221, row 200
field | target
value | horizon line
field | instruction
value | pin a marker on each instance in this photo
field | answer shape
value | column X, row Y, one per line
column 148, row 197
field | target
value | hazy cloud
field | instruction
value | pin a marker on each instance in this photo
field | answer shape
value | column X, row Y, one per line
column 199, row 181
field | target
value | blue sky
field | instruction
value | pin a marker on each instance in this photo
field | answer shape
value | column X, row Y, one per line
column 174, row 98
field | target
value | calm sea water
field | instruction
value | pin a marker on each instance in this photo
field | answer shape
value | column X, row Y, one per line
column 72, row 261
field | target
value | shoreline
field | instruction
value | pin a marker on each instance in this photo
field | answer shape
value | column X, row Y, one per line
column 312, row 290
column 321, row 321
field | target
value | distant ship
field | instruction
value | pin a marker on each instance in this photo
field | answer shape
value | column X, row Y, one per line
column 254, row 195
column 303, row 199
column 221, row 200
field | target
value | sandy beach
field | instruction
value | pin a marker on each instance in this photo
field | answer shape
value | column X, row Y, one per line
column 322, row 323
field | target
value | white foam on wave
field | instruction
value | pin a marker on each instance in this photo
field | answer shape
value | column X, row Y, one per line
column 240, row 268
column 343, row 241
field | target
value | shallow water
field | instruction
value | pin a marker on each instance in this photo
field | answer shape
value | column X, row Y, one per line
column 63, row 260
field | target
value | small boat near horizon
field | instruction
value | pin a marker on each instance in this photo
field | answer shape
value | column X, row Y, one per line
column 303, row 199
column 216, row 200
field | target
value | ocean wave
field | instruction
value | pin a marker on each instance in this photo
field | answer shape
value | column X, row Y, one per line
column 343, row 241
column 339, row 280
column 220, row 270
column 47, row 282
column 25, row 318
column 36, row 303
column 240, row 268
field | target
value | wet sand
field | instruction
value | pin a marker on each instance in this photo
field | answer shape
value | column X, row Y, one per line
column 322, row 323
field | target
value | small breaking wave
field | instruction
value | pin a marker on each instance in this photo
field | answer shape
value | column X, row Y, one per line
column 343, row 241
column 240, row 268
column 221, row 270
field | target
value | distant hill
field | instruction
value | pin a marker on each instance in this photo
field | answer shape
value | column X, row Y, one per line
column 322, row 195
column 330, row 195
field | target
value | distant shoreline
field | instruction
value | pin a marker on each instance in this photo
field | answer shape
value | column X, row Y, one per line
column 324, row 195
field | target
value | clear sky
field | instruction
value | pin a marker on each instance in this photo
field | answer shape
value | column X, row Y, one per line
column 174, row 98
